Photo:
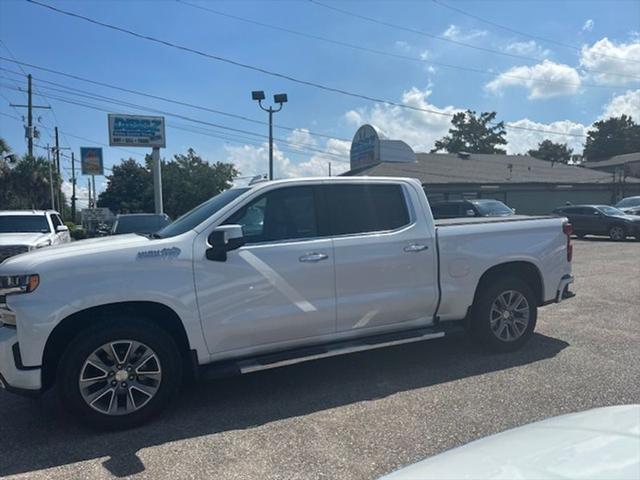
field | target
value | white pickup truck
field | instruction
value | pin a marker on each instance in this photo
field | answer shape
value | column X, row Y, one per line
column 264, row 276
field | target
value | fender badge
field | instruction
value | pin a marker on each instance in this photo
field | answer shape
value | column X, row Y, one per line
column 165, row 253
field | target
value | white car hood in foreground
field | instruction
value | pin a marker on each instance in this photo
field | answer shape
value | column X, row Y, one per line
column 31, row 239
column 603, row 443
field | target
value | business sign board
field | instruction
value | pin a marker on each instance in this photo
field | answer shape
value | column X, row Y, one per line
column 136, row 131
column 91, row 162
column 365, row 147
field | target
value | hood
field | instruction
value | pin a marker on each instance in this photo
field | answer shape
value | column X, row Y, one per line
column 598, row 443
column 31, row 239
column 31, row 260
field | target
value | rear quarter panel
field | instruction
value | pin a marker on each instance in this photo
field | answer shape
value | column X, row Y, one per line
column 468, row 250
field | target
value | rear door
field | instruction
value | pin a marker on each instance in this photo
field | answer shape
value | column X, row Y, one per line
column 385, row 256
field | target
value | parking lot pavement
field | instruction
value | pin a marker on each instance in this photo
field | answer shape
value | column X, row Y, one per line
column 362, row 415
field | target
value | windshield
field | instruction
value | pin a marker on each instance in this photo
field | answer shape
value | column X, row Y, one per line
column 139, row 224
column 23, row 224
column 610, row 210
column 628, row 202
column 493, row 208
column 199, row 214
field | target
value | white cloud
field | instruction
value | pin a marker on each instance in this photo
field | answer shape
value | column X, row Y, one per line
column 530, row 48
column 253, row 160
column 455, row 33
column 545, row 80
column 627, row 103
column 402, row 45
column 82, row 194
column 588, row 25
column 609, row 63
column 418, row 128
column 520, row 140
column 300, row 138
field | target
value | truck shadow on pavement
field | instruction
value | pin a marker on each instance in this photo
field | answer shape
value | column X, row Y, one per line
column 36, row 435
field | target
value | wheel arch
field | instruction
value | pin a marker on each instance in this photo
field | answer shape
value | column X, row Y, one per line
column 524, row 270
column 161, row 315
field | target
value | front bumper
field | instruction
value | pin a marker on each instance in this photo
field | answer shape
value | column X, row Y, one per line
column 14, row 376
column 563, row 291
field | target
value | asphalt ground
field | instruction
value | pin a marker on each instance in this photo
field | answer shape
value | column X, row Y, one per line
column 362, row 415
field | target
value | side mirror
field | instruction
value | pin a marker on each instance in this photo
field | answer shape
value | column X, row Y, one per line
column 471, row 213
column 62, row 228
column 513, row 210
column 223, row 239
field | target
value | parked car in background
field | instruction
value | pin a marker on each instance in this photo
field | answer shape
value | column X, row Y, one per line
column 629, row 205
column 140, row 223
column 601, row 220
column 21, row 231
column 470, row 208
column 599, row 443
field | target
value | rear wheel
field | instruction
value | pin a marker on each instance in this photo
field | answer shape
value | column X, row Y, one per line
column 617, row 233
column 504, row 314
column 119, row 374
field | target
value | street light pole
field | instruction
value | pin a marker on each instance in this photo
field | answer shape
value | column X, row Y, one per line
column 280, row 99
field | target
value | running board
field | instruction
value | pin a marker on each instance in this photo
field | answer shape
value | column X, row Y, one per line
column 306, row 354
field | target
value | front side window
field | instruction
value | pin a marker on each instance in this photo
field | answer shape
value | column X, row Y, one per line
column 283, row 214
column 366, row 208
column 494, row 207
column 55, row 219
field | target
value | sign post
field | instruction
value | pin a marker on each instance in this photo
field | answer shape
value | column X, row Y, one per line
column 141, row 131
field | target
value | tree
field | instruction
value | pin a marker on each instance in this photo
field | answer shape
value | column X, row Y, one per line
column 473, row 134
column 614, row 136
column 129, row 189
column 187, row 181
column 552, row 152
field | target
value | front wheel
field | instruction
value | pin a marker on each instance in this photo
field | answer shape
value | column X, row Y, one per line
column 119, row 374
column 617, row 233
column 504, row 314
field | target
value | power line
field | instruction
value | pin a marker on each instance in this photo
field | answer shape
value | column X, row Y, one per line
column 444, row 39
column 525, row 34
column 171, row 114
column 272, row 73
column 162, row 98
column 390, row 54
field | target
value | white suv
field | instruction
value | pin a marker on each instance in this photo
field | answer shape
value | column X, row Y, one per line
column 25, row 230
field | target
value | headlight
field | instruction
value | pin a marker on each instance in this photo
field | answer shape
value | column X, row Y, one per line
column 13, row 284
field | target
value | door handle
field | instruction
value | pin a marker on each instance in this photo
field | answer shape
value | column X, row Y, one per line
column 313, row 257
column 415, row 247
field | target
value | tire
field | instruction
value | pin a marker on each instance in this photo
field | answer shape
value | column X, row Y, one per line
column 487, row 322
column 617, row 233
column 148, row 378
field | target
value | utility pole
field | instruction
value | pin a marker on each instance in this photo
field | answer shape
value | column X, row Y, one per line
column 89, row 189
column 329, row 168
column 157, row 180
column 29, row 106
column 53, row 203
column 281, row 99
column 73, row 188
column 93, row 187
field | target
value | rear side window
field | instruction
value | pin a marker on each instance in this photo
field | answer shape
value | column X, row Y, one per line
column 283, row 214
column 366, row 208
column 446, row 210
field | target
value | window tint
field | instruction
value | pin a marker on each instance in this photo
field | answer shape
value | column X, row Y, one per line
column 23, row 224
column 366, row 208
column 283, row 214
column 446, row 210
column 56, row 221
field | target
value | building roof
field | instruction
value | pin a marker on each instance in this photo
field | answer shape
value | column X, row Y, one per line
column 446, row 168
column 614, row 161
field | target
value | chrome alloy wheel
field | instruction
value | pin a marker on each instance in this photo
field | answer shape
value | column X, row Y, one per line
column 120, row 377
column 509, row 316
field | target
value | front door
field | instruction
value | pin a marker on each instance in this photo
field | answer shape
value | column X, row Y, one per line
column 385, row 257
column 279, row 288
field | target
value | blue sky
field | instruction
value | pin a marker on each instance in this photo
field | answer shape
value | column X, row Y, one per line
column 560, row 88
